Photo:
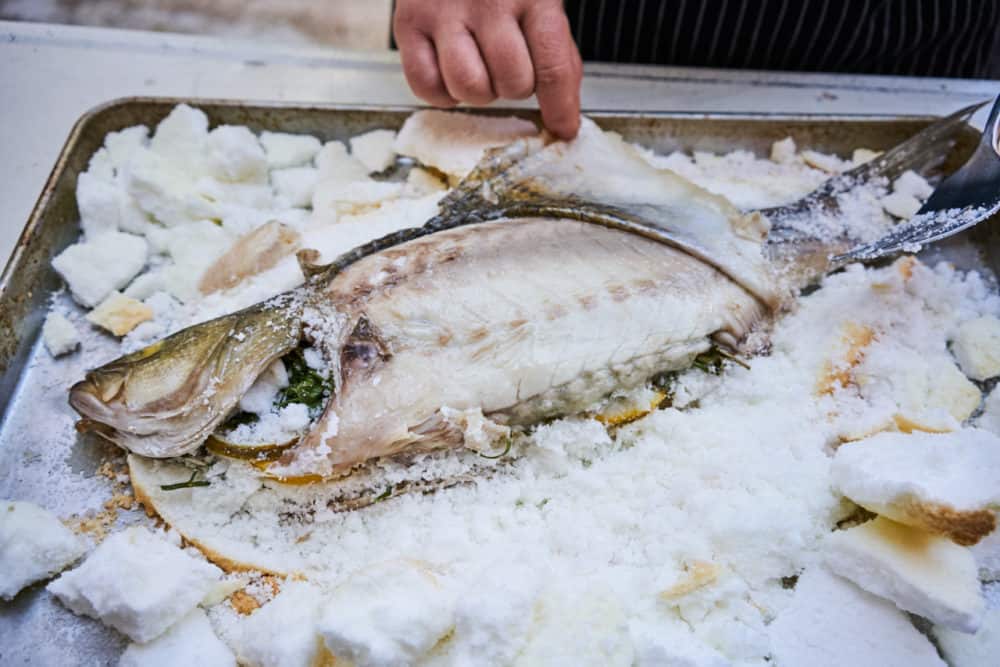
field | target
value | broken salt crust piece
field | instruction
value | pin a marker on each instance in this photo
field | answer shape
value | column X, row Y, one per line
column 824, row 162
column 989, row 419
column 95, row 268
column 137, row 583
column 976, row 347
column 282, row 633
column 783, row 151
column 833, row 623
column 34, row 545
column 295, row 184
column 119, row 314
column 190, row 641
column 59, row 334
column 912, row 184
column 336, row 164
column 901, row 205
column 454, row 142
column 979, row 650
column 946, row 484
column 391, row 614
column 289, row 150
column 236, row 155
column 921, row 573
column 862, row 155
column 374, row 149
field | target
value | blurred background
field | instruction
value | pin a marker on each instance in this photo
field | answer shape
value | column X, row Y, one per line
column 354, row 24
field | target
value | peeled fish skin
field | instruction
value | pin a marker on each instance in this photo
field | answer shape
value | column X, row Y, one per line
column 446, row 321
column 522, row 298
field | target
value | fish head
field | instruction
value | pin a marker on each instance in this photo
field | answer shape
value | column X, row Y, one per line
column 166, row 398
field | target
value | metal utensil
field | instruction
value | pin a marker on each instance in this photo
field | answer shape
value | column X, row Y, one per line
column 964, row 199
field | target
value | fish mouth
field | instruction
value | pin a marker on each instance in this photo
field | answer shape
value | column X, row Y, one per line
column 167, row 398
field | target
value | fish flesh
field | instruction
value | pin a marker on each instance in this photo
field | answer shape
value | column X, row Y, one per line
column 552, row 276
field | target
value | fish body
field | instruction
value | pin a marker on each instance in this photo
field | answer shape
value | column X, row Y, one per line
column 552, row 276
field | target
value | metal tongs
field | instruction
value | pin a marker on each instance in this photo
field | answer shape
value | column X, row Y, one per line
column 963, row 200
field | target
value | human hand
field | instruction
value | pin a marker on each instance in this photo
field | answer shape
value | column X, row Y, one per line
column 475, row 51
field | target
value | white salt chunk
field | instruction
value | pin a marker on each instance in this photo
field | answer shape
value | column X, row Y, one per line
column 295, row 184
column 921, row 573
column 391, row 614
column 454, row 142
column 282, row 633
column 588, row 628
column 181, row 136
column 99, row 203
column 783, row 151
column 289, row 150
column 96, row 267
column 59, row 334
column 236, row 155
column 667, row 644
column 922, row 479
column 901, row 205
column 979, row 650
column 122, row 146
column 161, row 189
column 987, row 555
column 374, row 149
column 190, row 641
column 137, row 583
column 34, row 545
column 336, row 164
column 354, row 198
column 833, row 623
column 976, row 347
column 913, row 184
column 101, row 167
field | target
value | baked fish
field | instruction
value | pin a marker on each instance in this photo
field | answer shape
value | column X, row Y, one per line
column 552, row 276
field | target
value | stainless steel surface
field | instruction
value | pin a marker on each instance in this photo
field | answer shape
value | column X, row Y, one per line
column 43, row 459
column 968, row 197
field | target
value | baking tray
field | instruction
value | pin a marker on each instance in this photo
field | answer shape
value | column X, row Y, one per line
column 43, row 460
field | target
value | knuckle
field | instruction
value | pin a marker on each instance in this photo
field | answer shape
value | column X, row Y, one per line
column 548, row 74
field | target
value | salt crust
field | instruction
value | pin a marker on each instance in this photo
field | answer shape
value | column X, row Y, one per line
column 289, row 150
column 833, row 623
column 60, row 335
column 137, row 583
column 387, row 614
column 454, row 142
column 95, row 268
column 34, row 545
column 978, row 650
column 919, row 572
column 374, row 149
column 189, row 641
column 673, row 488
column 537, row 494
column 976, row 346
column 895, row 474
column 282, row 633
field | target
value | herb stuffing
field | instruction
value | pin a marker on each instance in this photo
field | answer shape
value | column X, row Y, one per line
column 305, row 385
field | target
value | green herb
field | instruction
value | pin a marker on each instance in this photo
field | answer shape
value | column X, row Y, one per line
column 305, row 385
column 190, row 484
column 545, row 501
column 384, row 496
column 510, row 441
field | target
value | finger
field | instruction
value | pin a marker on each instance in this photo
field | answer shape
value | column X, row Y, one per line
column 420, row 65
column 558, row 69
column 462, row 67
column 507, row 59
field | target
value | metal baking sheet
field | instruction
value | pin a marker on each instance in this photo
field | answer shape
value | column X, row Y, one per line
column 42, row 459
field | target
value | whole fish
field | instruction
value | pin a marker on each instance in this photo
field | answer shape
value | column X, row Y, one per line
column 552, row 276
